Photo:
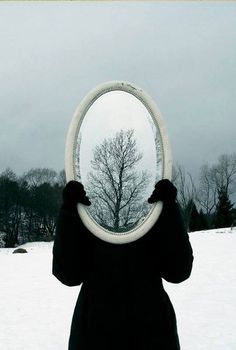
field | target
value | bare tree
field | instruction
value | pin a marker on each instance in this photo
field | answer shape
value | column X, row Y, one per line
column 61, row 178
column 37, row 176
column 187, row 193
column 219, row 178
column 115, row 186
column 224, row 173
column 207, row 192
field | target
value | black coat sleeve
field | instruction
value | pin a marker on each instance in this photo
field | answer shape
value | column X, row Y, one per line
column 69, row 249
column 175, row 255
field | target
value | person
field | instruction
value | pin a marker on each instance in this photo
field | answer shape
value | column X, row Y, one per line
column 122, row 303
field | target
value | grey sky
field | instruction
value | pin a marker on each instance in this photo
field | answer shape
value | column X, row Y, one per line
column 52, row 54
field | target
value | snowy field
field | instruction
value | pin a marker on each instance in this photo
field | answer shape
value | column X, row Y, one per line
column 36, row 309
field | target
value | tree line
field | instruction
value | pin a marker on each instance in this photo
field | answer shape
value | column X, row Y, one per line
column 29, row 204
column 208, row 204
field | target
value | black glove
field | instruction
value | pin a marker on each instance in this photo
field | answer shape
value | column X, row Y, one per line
column 74, row 193
column 164, row 191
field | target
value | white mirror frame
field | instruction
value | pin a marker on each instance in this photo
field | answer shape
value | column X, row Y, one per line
column 70, row 151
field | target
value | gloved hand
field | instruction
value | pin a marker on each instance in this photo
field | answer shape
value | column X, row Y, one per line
column 74, row 193
column 164, row 191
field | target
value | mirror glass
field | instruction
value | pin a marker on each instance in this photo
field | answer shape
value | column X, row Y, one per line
column 118, row 157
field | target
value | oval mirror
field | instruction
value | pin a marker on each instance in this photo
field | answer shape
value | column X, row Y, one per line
column 117, row 147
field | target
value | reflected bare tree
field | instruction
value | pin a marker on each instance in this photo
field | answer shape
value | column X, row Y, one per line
column 115, row 186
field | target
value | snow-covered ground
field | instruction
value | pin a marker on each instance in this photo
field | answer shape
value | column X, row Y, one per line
column 36, row 309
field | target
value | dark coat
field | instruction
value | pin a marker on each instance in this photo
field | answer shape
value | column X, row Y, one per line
column 122, row 304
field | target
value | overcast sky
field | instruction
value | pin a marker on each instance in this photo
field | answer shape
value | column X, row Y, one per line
column 52, row 54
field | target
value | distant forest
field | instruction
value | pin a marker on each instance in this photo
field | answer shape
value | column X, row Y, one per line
column 29, row 204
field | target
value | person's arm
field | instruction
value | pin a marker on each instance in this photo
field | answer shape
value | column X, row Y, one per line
column 69, row 251
column 175, row 255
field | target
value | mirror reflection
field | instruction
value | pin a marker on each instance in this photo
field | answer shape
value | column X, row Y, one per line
column 119, row 158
